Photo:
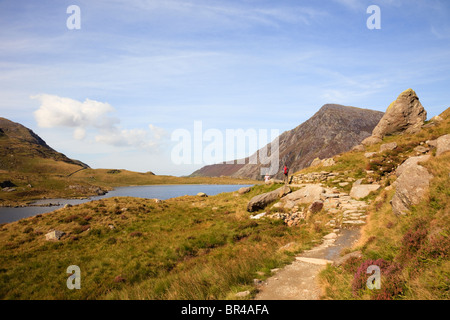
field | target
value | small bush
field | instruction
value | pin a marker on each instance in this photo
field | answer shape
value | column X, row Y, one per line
column 136, row 234
column 111, row 241
column 28, row 230
column 80, row 229
column 71, row 218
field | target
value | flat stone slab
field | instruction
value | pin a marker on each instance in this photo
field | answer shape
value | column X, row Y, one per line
column 320, row 262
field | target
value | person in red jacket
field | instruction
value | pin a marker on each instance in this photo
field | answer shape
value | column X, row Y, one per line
column 286, row 172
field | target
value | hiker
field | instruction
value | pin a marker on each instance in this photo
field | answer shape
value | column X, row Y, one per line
column 266, row 178
column 286, row 172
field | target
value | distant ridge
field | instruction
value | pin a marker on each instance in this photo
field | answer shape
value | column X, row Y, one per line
column 332, row 130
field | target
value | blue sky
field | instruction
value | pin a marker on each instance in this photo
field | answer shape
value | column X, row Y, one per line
column 111, row 93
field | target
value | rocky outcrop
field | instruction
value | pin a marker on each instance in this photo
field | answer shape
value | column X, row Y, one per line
column 344, row 211
column 261, row 201
column 404, row 115
column 411, row 185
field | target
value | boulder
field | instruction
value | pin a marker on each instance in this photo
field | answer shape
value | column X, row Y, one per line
column 411, row 162
column 202, row 194
column 363, row 190
column 406, row 114
column 289, row 204
column 369, row 154
column 316, row 162
column 244, row 190
column 7, row 184
column 242, row 294
column 54, row 235
column 442, row 144
column 316, row 206
column 328, row 162
column 388, row 146
column 262, row 200
column 359, row 148
column 371, row 140
column 284, row 191
column 411, row 185
column 421, row 149
column 307, row 194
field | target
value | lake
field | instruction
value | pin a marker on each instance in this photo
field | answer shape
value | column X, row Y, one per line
column 162, row 192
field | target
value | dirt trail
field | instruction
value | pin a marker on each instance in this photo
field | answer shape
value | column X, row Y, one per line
column 298, row 281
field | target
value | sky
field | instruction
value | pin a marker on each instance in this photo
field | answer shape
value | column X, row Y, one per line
column 112, row 91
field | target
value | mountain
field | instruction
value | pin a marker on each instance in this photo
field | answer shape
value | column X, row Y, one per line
column 332, row 130
column 18, row 145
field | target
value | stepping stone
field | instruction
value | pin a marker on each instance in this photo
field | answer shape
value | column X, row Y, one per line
column 322, row 262
column 354, row 222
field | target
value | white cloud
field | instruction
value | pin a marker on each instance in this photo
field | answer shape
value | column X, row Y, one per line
column 56, row 111
column 65, row 112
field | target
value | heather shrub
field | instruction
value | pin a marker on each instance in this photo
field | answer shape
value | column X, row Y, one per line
column 352, row 264
column 361, row 276
column 412, row 241
column 392, row 284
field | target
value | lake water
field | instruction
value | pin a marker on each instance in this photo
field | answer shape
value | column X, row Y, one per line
column 162, row 192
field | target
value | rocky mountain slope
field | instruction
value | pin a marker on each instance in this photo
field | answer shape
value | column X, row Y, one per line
column 19, row 144
column 332, row 130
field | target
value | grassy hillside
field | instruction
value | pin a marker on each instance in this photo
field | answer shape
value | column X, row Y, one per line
column 129, row 248
column 413, row 251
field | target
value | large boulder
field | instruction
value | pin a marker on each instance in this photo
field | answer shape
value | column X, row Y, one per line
column 262, row 200
column 411, row 185
column 406, row 114
column 244, row 190
column 307, row 194
column 442, row 144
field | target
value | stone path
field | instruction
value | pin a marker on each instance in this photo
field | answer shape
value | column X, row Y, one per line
column 298, row 281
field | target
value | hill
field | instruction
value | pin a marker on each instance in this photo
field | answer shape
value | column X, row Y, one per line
column 332, row 130
column 20, row 147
